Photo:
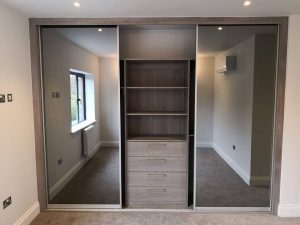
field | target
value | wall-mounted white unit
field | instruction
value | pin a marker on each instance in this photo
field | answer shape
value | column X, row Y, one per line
column 228, row 64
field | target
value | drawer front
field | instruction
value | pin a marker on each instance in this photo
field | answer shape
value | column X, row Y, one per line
column 156, row 164
column 157, row 149
column 156, row 179
column 156, row 194
column 157, row 205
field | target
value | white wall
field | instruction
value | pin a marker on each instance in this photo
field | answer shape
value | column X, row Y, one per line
column 233, row 108
column 290, row 175
column 17, row 153
column 109, row 100
column 205, row 100
column 59, row 56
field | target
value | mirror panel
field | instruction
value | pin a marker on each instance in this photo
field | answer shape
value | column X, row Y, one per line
column 236, row 75
column 81, row 114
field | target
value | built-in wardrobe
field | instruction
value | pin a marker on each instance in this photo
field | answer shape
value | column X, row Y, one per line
column 164, row 89
column 157, row 76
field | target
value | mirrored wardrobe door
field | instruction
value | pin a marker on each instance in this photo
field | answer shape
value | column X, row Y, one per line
column 81, row 114
column 236, row 75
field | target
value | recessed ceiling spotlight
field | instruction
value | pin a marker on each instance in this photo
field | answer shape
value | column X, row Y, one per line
column 100, row 29
column 76, row 4
column 247, row 3
column 220, row 28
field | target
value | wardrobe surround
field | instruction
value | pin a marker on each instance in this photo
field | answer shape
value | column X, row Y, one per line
column 157, row 68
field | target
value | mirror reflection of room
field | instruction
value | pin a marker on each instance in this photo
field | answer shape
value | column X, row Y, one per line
column 236, row 74
column 81, row 106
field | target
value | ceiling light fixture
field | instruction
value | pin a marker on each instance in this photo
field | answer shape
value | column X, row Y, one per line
column 76, row 4
column 100, row 29
column 247, row 3
column 220, row 28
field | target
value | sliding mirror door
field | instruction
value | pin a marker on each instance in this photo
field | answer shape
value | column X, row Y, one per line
column 236, row 76
column 81, row 115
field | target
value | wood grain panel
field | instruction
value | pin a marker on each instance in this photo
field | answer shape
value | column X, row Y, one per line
column 157, row 205
column 38, row 116
column 279, row 114
column 158, row 21
column 156, row 164
column 157, row 149
column 156, row 126
column 156, row 194
column 157, row 100
column 156, row 73
column 156, row 179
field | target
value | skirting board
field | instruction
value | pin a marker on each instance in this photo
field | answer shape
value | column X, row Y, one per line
column 109, row 144
column 204, row 144
column 232, row 164
column 70, row 174
column 289, row 210
column 29, row 215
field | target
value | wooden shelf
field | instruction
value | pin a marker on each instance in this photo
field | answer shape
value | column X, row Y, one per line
column 150, row 137
column 156, row 114
column 156, row 100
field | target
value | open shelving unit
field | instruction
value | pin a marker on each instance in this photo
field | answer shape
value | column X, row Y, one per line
column 156, row 100
column 156, row 110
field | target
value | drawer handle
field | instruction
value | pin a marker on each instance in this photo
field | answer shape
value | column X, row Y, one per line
column 157, row 174
column 156, row 145
column 157, row 160
column 158, row 190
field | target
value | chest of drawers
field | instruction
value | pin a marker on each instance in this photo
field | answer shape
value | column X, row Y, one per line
column 156, row 174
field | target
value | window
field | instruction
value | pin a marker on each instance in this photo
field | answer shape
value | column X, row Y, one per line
column 78, row 100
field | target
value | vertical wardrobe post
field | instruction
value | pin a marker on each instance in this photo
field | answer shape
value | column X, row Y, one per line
column 189, row 171
column 124, row 167
column 195, row 117
column 123, row 130
column 120, row 93
column 191, row 131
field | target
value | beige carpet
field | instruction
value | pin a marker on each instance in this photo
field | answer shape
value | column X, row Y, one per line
column 153, row 218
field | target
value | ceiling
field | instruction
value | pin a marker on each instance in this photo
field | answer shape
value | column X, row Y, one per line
column 103, row 44
column 211, row 41
column 153, row 8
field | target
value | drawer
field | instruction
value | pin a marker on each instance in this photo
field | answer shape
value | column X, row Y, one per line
column 156, row 179
column 157, row 205
column 156, row 194
column 157, row 149
column 156, row 164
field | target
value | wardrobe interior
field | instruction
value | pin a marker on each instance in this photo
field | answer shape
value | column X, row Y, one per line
column 157, row 73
